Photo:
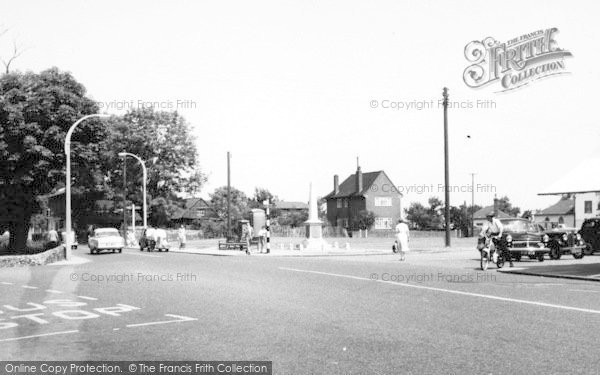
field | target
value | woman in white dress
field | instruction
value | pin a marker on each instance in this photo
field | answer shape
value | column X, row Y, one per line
column 402, row 238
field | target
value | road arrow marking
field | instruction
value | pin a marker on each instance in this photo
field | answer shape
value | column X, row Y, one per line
column 178, row 320
column 41, row 335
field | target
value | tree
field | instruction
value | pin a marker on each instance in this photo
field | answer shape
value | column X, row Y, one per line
column 239, row 207
column 505, row 206
column 419, row 215
column 364, row 220
column 10, row 57
column 165, row 143
column 36, row 110
column 527, row 214
column 293, row 219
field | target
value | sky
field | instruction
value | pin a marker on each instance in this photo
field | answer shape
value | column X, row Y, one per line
column 297, row 90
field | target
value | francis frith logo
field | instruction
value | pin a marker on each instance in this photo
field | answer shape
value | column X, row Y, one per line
column 514, row 63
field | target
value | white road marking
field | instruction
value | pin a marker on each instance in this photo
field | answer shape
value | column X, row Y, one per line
column 178, row 320
column 88, row 298
column 584, row 290
column 146, row 255
column 41, row 335
column 29, row 287
column 6, row 283
column 535, row 303
column 54, row 291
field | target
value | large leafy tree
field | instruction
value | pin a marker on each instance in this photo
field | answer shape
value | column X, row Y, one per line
column 165, row 142
column 36, row 111
column 505, row 206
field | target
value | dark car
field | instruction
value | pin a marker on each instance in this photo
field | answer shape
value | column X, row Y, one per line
column 522, row 238
column 563, row 241
column 590, row 232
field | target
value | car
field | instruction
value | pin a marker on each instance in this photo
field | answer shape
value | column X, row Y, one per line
column 563, row 240
column 105, row 239
column 154, row 239
column 590, row 232
column 523, row 238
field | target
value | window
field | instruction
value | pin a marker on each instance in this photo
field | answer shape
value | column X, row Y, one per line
column 200, row 212
column 561, row 220
column 587, row 207
column 345, row 203
column 339, row 203
column 383, row 223
column 383, row 201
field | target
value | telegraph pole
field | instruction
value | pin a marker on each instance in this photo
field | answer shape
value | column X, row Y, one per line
column 228, row 197
column 472, row 204
column 125, row 199
column 446, row 168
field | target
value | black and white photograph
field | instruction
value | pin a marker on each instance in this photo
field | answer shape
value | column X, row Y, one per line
column 299, row 187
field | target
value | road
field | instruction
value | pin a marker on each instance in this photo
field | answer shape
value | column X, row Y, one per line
column 333, row 315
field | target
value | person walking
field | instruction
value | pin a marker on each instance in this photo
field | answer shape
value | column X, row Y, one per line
column 247, row 234
column 262, row 238
column 402, row 238
column 181, row 235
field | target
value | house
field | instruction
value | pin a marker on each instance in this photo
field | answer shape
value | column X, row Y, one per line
column 283, row 206
column 480, row 216
column 371, row 191
column 562, row 212
column 195, row 210
column 582, row 184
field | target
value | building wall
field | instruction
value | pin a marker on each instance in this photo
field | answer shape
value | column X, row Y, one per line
column 384, row 193
column 554, row 220
column 580, row 200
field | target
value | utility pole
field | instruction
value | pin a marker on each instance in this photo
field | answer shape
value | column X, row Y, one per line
column 446, row 168
column 228, row 196
column 125, row 199
column 472, row 204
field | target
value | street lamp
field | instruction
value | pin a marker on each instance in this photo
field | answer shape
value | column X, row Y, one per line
column 124, row 155
column 68, row 181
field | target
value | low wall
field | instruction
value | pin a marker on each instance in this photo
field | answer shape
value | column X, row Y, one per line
column 49, row 256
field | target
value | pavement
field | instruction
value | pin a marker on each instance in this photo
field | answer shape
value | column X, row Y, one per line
column 309, row 315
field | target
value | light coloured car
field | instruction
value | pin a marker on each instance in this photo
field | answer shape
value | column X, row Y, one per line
column 105, row 239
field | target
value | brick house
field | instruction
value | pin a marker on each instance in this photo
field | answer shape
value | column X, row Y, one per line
column 371, row 191
column 196, row 210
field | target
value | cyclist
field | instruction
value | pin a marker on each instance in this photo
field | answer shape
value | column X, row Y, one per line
column 494, row 228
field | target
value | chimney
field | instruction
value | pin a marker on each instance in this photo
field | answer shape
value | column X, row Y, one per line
column 359, row 180
column 336, row 184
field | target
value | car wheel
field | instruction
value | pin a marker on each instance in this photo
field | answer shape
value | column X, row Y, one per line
column 588, row 250
column 120, row 250
column 554, row 252
column 578, row 255
column 500, row 262
column 167, row 250
column 113, row 250
column 518, row 257
column 540, row 257
column 91, row 250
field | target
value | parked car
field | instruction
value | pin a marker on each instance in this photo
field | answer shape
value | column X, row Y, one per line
column 564, row 240
column 523, row 238
column 590, row 232
column 154, row 239
column 105, row 239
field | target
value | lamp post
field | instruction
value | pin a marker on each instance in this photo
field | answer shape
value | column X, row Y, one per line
column 145, row 175
column 446, row 168
column 68, row 243
column 472, row 204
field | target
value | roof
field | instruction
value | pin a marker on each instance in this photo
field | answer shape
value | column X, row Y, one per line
column 348, row 187
column 562, row 207
column 581, row 179
column 192, row 205
column 482, row 213
column 291, row 205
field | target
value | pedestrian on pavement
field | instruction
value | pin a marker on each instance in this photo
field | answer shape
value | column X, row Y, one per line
column 262, row 238
column 247, row 233
column 52, row 237
column 402, row 238
column 181, row 235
